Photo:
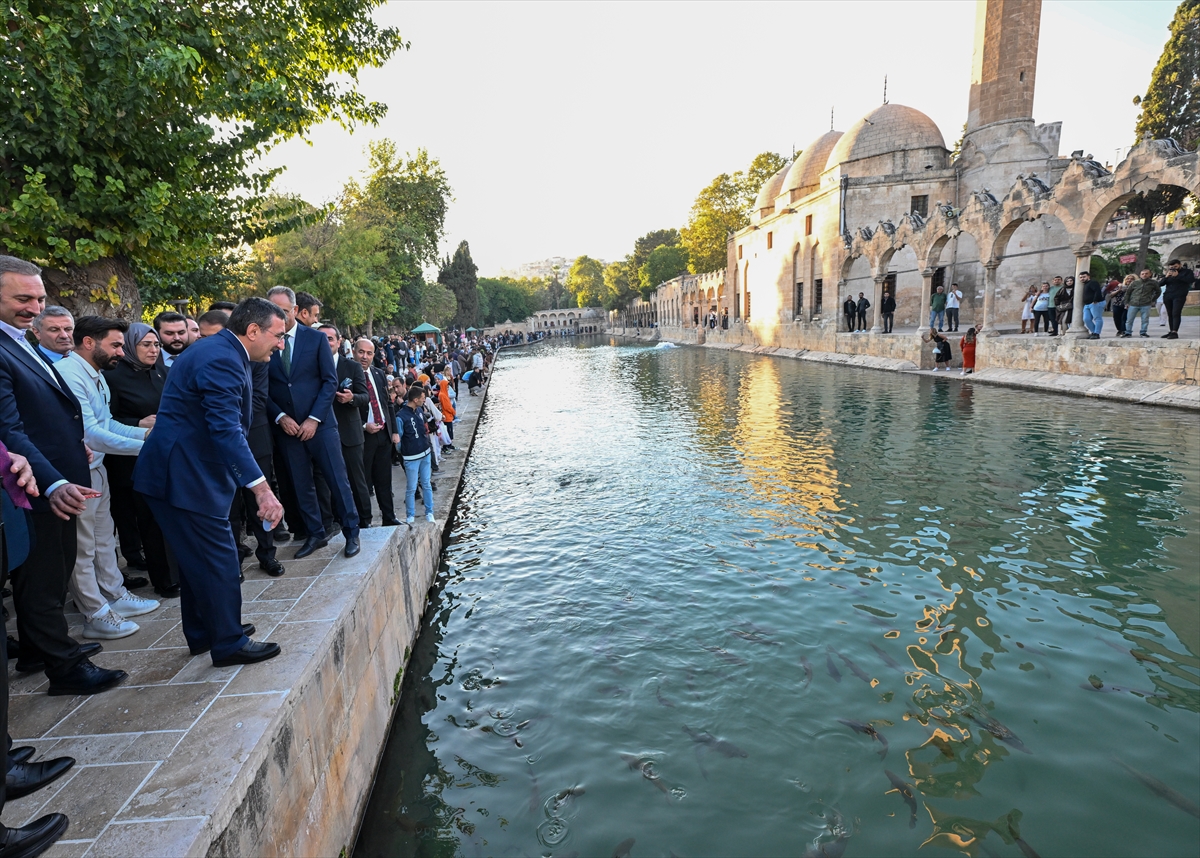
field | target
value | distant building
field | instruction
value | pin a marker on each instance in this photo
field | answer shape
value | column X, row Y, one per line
column 543, row 269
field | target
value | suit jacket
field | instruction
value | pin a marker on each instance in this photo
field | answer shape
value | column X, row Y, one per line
column 41, row 419
column 349, row 416
column 198, row 455
column 385, row 401
column 135, row 392
column 260, row 424
column 308, row 390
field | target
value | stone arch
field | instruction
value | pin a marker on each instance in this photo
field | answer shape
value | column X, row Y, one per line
column 1030, row 250
column 903, row 267
column 858, row 275
column 1188, row 252
column 1108, row 205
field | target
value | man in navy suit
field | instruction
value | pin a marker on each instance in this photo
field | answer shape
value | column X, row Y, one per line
column 193, row 462
column 303, row 383
column 42, row 420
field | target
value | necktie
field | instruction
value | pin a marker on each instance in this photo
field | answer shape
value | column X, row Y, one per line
column 286, row 357
column 376, row 413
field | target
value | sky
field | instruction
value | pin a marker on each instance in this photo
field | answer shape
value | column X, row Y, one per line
column 573, row 128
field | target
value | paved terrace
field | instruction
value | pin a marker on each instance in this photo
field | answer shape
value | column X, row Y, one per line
column 188, row 759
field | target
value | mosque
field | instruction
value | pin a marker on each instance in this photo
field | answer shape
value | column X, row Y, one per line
column 886, row 204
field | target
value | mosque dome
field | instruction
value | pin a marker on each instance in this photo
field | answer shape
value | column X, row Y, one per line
column 770, row 190
column 806, row 171
column 886, row 129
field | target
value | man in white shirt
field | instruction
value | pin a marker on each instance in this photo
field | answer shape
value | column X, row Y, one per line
column 53, row 328
column 97, row 584
column 953, row 302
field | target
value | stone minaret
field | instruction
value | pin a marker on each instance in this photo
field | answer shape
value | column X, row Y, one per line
column 1001, row 139
column 1005, row 62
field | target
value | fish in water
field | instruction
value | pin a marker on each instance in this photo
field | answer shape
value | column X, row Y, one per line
column 867, row 730
column 887, row 659
column 835, row 848
column 1095, row 684
column 1026, row 850
column 807, row 670
column 623, row 848
column 645, row 765
column 998, row 730
column 831, row 667
column 662, row 700
column 708, row 740
column 1160, row 789
column 753, row 637
column 854, row 668
column 725, row 656
column 906, row 790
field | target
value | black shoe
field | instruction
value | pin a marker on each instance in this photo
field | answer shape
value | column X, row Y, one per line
column 352, row 545
column 20, row 755
column 32, row 839
column 310, row 545
column 24, row 778
column 14, row 648
column 244, row 551
column 134, row 582
column 87, row 650
column 391, row 522
column 85, row 678
column 282, row 535
column 136, row 561
column 272, row 567
column 171, row 592
column 252, row 652
column 247, row 629
column 1171, row 336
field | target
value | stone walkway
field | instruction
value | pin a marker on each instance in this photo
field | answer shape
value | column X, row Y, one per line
column 158, row 755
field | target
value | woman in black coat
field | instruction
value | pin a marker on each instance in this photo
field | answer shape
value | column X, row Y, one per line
column 137, row 385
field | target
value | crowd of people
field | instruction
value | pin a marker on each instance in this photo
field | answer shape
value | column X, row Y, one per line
column 169, row 444
column 1050, row 307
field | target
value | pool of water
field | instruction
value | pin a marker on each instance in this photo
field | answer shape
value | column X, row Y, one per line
column 709, row 603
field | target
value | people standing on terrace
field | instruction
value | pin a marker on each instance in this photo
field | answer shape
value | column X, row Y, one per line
column 1093, row 305
column 887, row 309
column 1041, row 309
column 1176, row 283
column 1116, row 301
column 937, row 308
column 953, row 302
column 1064, row 306
column 850, row 311
column 1027, row 309
column 1140, row 297
column 1056, row 285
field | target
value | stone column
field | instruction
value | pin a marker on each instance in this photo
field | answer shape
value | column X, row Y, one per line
column 876, row 324
column 989, row 296
column 1083, row 262
column 926, row 290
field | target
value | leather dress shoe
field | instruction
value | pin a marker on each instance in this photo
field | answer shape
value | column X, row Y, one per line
column 310, row 545
column 352, row 545
column 391, row 522
column 171, row 592
column 85, row 678
column 20, row 755
column 24, row 778
column 282, row 535
column 272, row 567
column 247, row 629
column 32, row 839
column 253, row 651
column 132, row 582
column 87, row 650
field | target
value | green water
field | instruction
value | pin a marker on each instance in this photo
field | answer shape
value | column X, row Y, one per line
column 674, row 570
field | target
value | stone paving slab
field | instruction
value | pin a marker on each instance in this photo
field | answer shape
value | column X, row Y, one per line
column 187, row 759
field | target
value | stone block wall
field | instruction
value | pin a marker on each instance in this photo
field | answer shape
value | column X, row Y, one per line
column 1175, row 362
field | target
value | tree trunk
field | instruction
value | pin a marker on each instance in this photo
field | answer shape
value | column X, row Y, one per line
column 1144, row 244
column 106, row 287
column 370, row 328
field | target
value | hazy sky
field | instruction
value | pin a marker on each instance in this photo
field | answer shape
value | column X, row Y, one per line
column 571, row 128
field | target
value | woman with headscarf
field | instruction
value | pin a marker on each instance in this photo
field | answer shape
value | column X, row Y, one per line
column 137, row 385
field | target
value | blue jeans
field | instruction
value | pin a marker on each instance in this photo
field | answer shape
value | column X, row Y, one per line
column 414, row 470
column 1133, row 313
column 940, row 316
column 1093, row 317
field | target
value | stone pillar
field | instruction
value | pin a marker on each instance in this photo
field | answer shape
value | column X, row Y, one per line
column 926, row 290
column 989, row 296
column 876, row 324
column 1083, row 262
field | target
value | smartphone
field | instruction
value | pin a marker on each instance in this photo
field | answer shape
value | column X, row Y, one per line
column 90, row 494
column 345, row 385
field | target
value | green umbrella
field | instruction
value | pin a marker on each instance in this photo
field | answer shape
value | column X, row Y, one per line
column 426, row 328
column 472, row 329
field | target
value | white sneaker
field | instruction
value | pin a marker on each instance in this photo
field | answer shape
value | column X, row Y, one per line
column 429, row 516
column 130, row 605
column 409, row 520
column 109, row 626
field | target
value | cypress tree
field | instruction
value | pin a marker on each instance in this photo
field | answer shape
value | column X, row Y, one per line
column 1170, row 109
column 458, row 273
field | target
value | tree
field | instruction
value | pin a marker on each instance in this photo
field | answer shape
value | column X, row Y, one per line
column 663, row 264
column 458, row 273
column 620, row 283
column 722, row 207
column 1170, row 109
column 132, row 128
column 508, row 299
column 644, row 246
column 585, row 281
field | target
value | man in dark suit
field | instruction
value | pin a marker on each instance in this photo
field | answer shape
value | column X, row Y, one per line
column 303, row 383
column 348, row 402
column 379, row 424
column 194, row 461
column 172, row 331
column 42, row 420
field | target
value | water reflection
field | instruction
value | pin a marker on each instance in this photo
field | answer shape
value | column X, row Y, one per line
column 693, row 594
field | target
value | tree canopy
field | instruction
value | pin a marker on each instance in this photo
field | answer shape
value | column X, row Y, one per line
column 459, row 274
column 663, row 263
column 722, row 207
column 585, row 282
column 133, row 127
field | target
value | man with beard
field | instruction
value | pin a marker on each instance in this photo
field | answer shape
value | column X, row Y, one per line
column 97, row 584
column 172, row 330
